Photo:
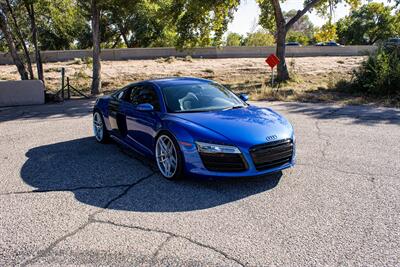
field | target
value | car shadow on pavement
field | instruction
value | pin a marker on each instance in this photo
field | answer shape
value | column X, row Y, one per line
column 92, row 171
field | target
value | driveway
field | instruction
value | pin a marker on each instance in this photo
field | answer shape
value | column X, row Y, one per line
column 66, row 200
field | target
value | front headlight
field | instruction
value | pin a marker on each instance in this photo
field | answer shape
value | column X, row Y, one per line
column 214, row 148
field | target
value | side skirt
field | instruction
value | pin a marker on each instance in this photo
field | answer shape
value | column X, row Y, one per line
column 121, row 142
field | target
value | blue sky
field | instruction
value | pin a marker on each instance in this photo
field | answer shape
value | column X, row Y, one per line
column 248, row 13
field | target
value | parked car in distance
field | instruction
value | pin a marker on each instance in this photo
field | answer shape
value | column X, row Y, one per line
column 293, row 44
column 195, row 127
column 330, row 43
column 392, row 42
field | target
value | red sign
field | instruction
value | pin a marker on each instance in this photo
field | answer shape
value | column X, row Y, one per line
column 272, row 60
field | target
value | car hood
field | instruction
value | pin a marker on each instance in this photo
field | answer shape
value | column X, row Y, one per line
column 244, row 126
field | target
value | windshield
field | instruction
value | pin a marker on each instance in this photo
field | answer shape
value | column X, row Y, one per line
column 197, row 97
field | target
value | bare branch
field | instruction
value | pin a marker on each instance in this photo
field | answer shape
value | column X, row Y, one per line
column 300, row 13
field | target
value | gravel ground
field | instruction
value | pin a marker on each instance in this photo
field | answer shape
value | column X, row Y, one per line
column 66, row 200
column 312, row 72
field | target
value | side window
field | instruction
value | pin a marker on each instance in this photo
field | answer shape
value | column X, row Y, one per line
column 120, row 94
column 145, row 94
column 134, row 91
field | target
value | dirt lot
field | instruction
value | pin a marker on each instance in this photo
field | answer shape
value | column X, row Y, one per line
column 313, row 78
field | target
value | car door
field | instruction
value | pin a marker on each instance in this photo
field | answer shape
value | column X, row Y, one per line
column 116, row 116
column 142, row 125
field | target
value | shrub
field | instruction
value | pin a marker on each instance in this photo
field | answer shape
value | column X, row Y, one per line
column 233, row 39
column 379, row 75
column 259, row 38
column 294, row 36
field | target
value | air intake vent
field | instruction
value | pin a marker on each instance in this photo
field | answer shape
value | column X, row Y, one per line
column 273, row 154
column 223, row 162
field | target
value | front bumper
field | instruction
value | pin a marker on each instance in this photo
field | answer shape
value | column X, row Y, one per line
column 195, row 167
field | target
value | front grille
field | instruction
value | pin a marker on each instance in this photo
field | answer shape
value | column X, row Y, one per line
column 223, row 162
column 273, row 154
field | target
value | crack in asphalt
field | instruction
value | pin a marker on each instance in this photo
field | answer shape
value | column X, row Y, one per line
column 327, row 140
column 160, row 247
column 38, row 191
column 174, row 235
column 92, row 220
column 370, row 176
column 333, row 169
column 49, row 248
column 323, row 136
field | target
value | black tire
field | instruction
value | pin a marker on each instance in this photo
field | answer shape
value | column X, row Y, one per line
column 105, row 136
column 179, row 170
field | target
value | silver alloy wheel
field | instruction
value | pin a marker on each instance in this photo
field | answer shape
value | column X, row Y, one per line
column 166, row 156
column 98, row 127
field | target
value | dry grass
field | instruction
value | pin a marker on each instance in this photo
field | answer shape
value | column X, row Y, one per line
column 313, row 78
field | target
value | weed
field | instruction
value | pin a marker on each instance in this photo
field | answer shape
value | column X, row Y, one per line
column 188, row 59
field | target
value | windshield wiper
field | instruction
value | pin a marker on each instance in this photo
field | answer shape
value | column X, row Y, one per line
column 234, row 107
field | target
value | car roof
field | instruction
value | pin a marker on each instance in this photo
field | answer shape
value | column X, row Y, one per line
column 176, row 81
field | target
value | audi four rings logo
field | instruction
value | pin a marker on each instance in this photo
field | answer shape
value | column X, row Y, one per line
column 271, row 137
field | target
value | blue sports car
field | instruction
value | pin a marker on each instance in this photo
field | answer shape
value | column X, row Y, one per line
column 195, row 127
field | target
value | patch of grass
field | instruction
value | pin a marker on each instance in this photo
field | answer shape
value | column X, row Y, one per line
column 170, row 60
column 76, row 61
column 88, row 61
column 160, row 60
column 53, row 69
column 188, row 59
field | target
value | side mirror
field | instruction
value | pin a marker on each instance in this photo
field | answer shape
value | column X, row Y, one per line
column 145, row 107
column 244, row 97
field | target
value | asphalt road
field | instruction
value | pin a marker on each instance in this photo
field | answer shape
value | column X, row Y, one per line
column 66, row 200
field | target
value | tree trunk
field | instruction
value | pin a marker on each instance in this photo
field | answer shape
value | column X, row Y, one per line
column 39, row 64
column 22, row 41
column 283, row 73
column 96, row 78
column 11, row 45
column 123, row 34
column 282, row 29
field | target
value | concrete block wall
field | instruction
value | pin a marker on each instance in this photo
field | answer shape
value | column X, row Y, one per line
column 208, row 52
column 16, row 93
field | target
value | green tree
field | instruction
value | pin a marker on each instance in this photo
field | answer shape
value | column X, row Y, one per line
column 11, row 43
column 326, row 33
column 272, row 18
column 371, row 23
column 59, row 22
column 300, row 37
column 233, row 39
column 20, row 37
column 95, row 11
column 259, row 38
column 201, row 22
column 303, row 25
column 397, row 23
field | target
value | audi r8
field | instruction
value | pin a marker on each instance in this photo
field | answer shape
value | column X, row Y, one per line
column 195, row 127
